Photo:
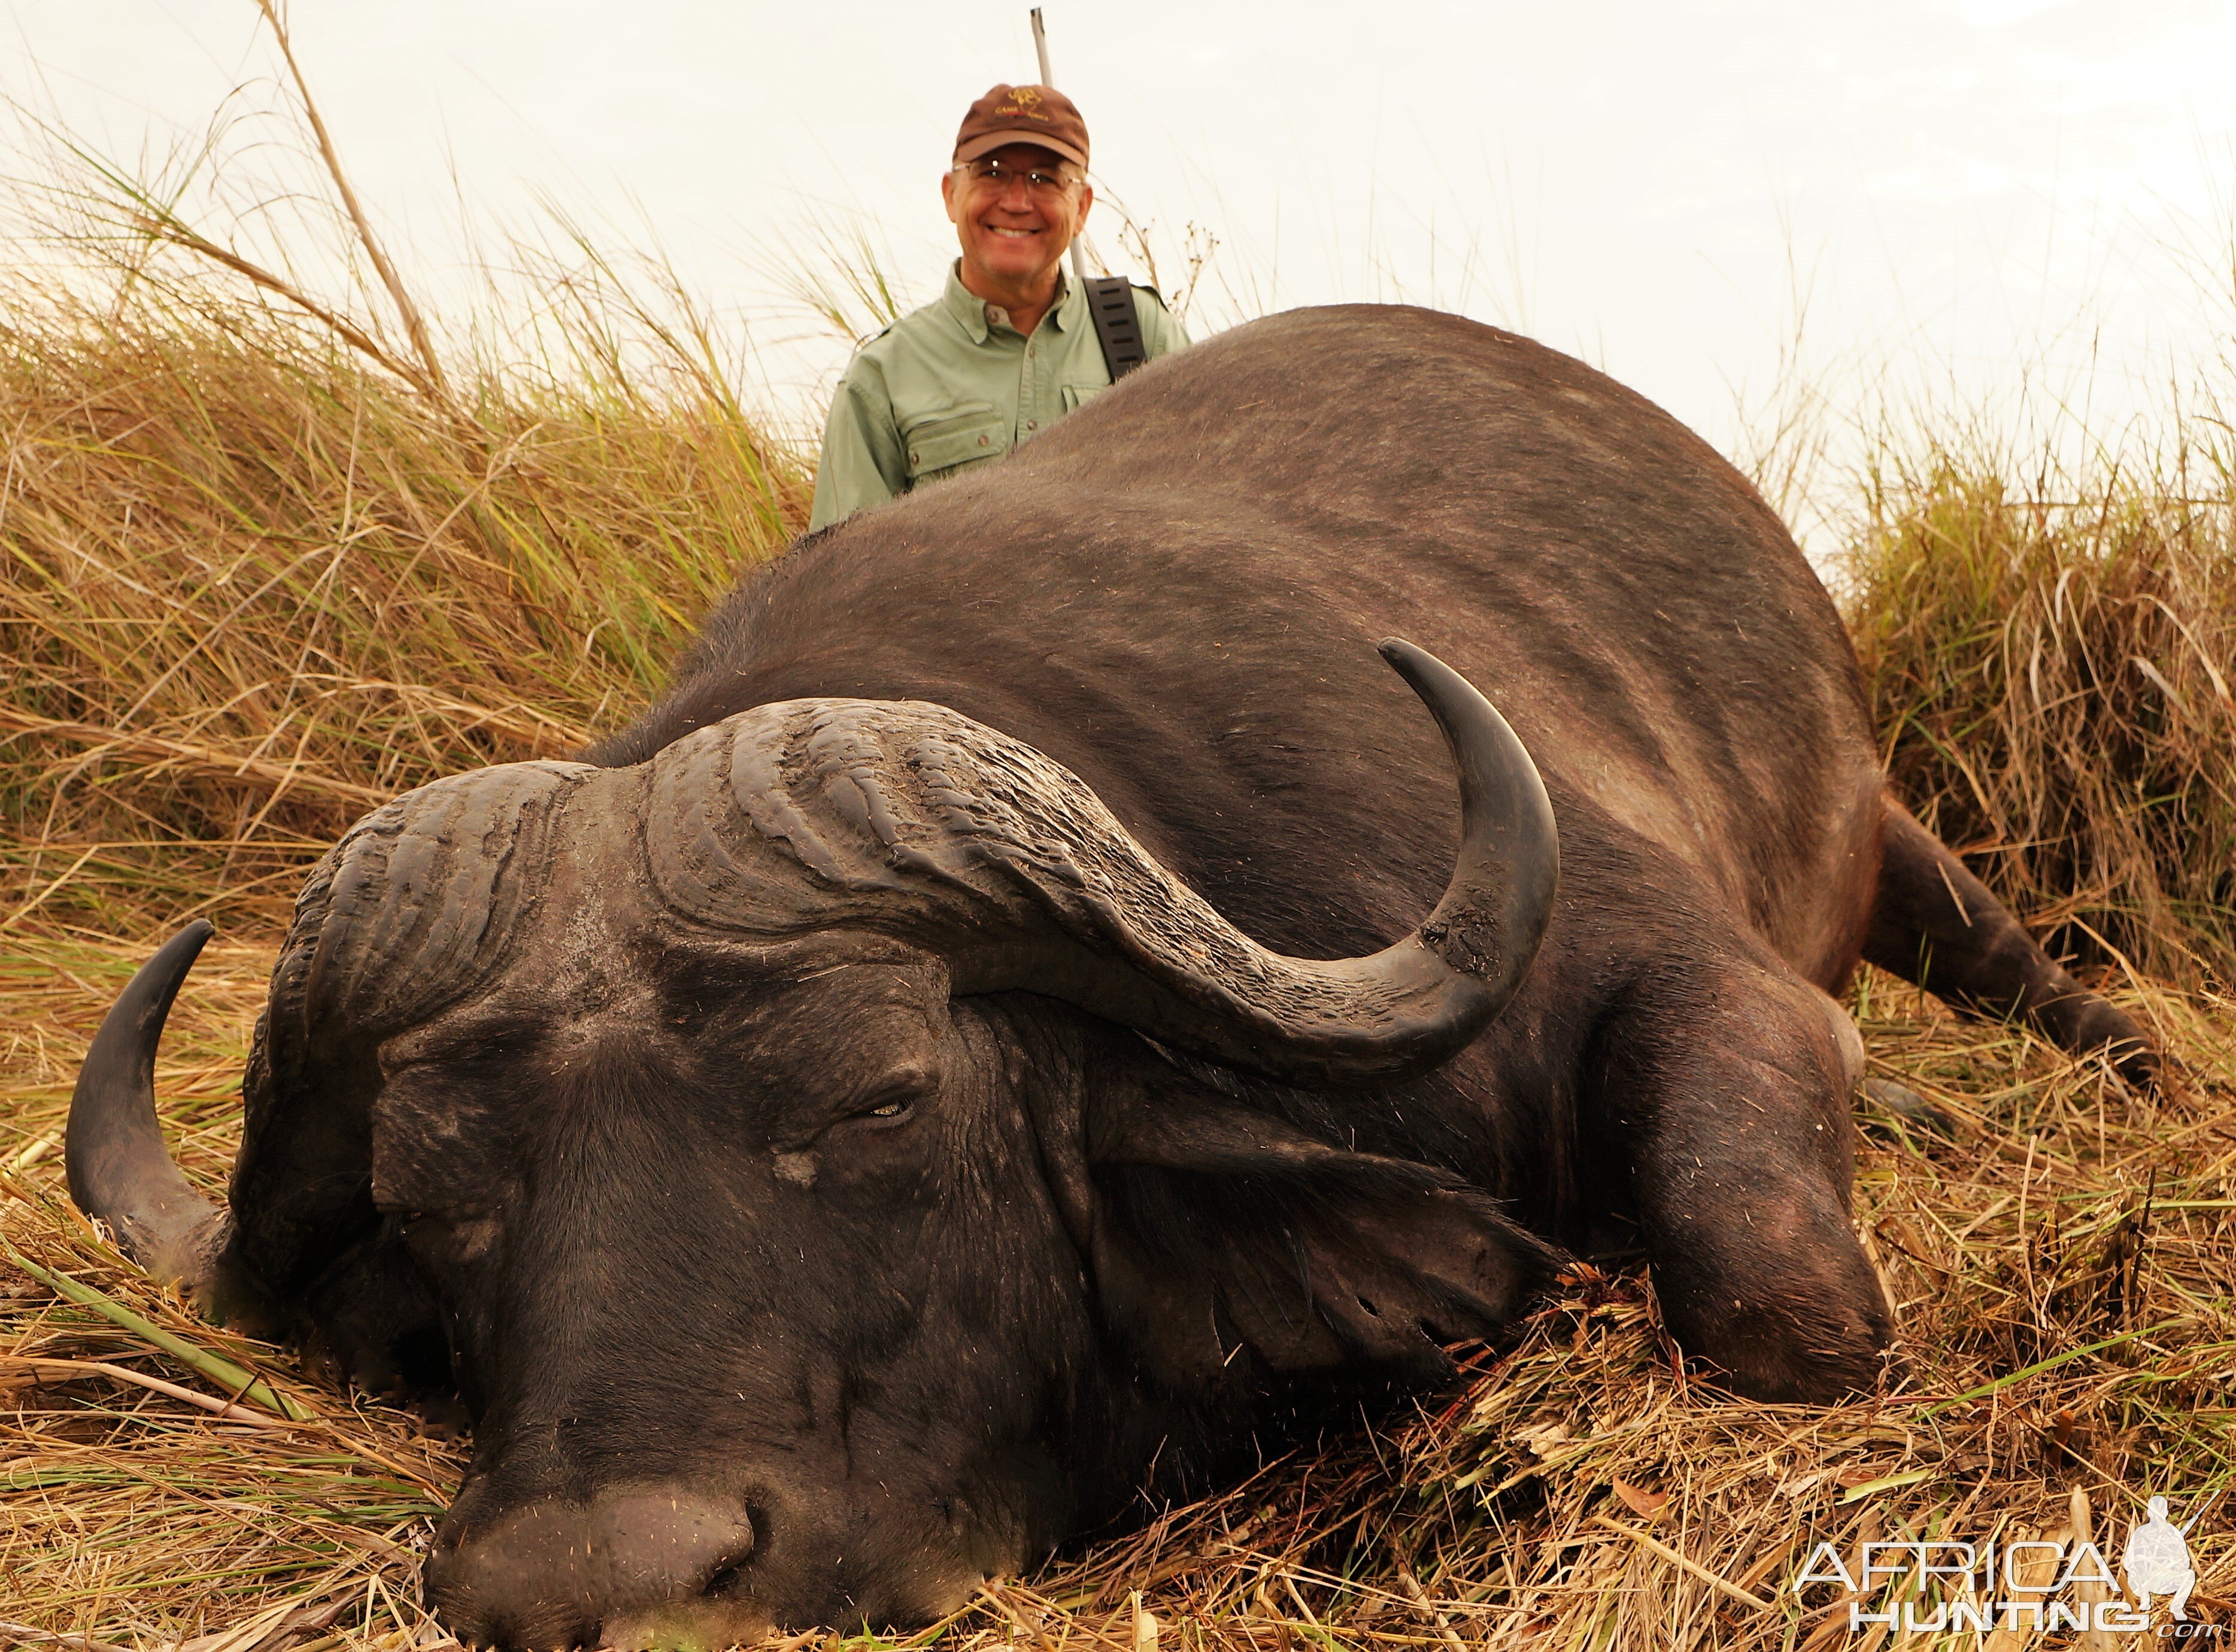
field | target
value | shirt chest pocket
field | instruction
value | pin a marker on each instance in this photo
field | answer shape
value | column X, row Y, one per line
column 947, row 436
column 1076, row 396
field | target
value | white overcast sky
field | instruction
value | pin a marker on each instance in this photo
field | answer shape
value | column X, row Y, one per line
column 1967, row 194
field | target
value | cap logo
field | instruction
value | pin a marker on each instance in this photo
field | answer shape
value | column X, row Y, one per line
column 1036, row 113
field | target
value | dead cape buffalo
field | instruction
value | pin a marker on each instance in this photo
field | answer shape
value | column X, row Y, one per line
column 948, row 1065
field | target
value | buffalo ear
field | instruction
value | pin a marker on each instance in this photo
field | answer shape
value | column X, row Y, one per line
column 1220, row 1230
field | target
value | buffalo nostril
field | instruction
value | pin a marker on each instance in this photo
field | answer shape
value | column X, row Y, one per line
column 726, row 1575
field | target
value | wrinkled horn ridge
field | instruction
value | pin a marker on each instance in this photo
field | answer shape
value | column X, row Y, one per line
column 911, row 819
column 413, row 910
column 408, row 913
column 423, row 892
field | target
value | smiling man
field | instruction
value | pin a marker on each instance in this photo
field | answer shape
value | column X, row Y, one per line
column 1010, row 346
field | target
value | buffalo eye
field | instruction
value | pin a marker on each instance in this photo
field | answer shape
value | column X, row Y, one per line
column 891, row 1106
column 898, row 1096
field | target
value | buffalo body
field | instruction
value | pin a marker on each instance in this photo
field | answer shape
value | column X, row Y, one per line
column 884, row 1110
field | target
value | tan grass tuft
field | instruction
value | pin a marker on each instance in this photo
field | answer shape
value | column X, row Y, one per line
column 2053, row 672
column 249, row 589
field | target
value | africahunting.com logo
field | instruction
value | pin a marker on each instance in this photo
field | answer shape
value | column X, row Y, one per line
column 2037, row 1584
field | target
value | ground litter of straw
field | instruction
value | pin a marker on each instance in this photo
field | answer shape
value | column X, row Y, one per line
column 2060, row 1260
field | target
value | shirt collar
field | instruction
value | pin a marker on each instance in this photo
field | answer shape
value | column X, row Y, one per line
column 1062, row 313
column 966, row 306
column 969, row 310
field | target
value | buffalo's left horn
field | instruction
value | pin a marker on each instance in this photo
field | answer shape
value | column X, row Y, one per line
column 120, row 1171
column 910, row 819
column 1193, row 979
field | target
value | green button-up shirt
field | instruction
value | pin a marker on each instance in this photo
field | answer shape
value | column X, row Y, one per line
column 954, row 385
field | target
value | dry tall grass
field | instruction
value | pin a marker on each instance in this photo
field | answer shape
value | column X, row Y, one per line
column 264, row 563
column 2051, row 668
column 252, row 585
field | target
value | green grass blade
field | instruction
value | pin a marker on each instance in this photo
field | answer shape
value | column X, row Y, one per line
column 214, row 1368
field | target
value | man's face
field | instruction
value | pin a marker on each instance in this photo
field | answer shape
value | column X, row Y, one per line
column 1013, row 234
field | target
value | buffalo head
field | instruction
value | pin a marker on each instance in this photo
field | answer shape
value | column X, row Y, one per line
column 815, row 1155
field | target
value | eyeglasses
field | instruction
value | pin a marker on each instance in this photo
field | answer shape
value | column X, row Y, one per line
column 1042, row 186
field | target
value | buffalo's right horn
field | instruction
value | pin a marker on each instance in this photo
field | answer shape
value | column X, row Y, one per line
column 120, row 1171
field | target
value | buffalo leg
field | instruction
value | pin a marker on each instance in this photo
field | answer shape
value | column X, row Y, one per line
column 1726, row 1100
column 1936, row 925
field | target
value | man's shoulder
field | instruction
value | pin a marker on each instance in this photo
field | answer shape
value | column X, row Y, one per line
column 1162, row 331
column 926, row 325
column 1144, row 294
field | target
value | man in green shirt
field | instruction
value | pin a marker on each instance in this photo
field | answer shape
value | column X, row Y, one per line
column 1009, row 347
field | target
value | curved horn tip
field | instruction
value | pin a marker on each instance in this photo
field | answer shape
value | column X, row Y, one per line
column 1481, row 741
column 178, row 953
column 1418, row 666
column 145, row 1004
column 1509, row 865
column 1441, row 688
column 147, row 998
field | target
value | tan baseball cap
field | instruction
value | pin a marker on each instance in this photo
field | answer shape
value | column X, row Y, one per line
column 1037, row 115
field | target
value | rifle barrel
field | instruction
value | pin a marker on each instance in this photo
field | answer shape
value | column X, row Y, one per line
column 1048, row 78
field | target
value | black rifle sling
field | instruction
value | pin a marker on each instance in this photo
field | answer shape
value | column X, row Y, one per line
column 1110, row 301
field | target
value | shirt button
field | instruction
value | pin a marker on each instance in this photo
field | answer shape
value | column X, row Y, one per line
column 1032, row 424
column 914, row 460
column 985, row 440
